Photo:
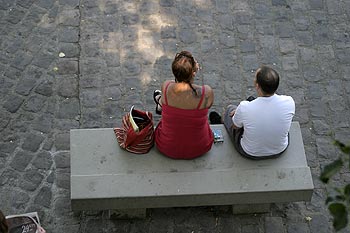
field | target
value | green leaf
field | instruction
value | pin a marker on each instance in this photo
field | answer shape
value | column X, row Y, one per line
column 340, row 198
column 344, row 148
column 340, row 215
column 329, row 199
column 329, row 170
column 347, row 190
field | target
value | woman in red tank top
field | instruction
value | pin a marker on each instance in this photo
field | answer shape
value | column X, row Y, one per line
column 183, row 131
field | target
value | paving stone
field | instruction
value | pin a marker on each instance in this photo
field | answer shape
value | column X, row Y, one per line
column 302, row 23
column 44, row 88
column 31, row 180
column 168, row 32
column 66, row 66
column 19, row 200
column 47, row 4
column 51, row 178
column 9, row 177
column 316, row 4
column 287, row 46
column 93, row 66
column 250, row 228
column 16, row 45
column 71, row 3
column 250, row 62
column 285, row 30
column 149, row 7
column 68, row 34
column 90, row 98
column 12, row 73
column 4, row 120
column 70, row 50
column 319, row 224
column 187, row 36
column 21, row 160
column 68, row 108
column 279, row 2
column 62, row 159
column 132, row 68
column 321, row 127
column 298, row 228
column 304, row 38
column 223, row 6
column 321, row 35
column 25, row 86
column 227, row 40
column 68, row 87
column 25, row 3
column 48, row 144
column 290, row 63
column 62, row 180
column 44, row 60
column 112, row 60
column 343, row 56
column 241, row 18
column 313, row 74
column 35, row 103
column 62, row 141
column 34, row 16
column 44, row 197
column 15, row 15
column 13, row 103
column 131, row 19
column 62, row 206
column 274, row 224
column 5, row 4
column 226, row 22
column 32, row 142
column 166, row 3
column 325, row 148
column 43, row 160
column 22, row 60
column 69, row 18
column 247, row 46
column 318, row 109
column 53, row 12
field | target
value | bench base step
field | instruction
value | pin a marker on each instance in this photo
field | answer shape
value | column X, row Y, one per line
column 141, row 213
column 251, row 208
column 127, row 213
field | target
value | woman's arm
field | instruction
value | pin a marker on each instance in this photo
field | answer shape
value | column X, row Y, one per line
column 162, row 100
column 209, row 96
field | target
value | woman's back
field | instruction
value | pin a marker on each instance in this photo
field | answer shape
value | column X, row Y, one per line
column 180, row 95
column 184, row 132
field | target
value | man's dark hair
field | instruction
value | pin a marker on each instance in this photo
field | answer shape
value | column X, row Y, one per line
column 268, row 79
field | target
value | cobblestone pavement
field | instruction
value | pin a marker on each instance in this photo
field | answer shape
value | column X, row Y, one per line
column 118, row 52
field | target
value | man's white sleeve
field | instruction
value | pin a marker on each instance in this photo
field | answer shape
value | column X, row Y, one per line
column 238, row 118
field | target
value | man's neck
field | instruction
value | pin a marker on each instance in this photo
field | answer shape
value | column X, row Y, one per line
column 260, row 94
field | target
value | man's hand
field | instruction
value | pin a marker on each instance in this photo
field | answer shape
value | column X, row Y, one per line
column 232, row 113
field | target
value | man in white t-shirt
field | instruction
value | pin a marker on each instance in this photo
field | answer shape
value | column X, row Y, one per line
column 259, row 127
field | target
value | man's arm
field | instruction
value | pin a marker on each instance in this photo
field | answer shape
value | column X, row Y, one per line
column 233, row 124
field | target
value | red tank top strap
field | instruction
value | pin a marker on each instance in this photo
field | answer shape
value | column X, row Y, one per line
column 202, row 97
column 165, row 91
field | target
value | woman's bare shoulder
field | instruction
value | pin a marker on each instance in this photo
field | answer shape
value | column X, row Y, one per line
column 208, row 90
column 166, row 83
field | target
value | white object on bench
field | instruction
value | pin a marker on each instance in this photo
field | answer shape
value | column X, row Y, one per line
column 105, row 177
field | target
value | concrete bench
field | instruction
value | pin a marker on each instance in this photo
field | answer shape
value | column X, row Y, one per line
column 105, row 177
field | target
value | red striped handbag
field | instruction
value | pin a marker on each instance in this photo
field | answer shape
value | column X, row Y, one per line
column 137, row 134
